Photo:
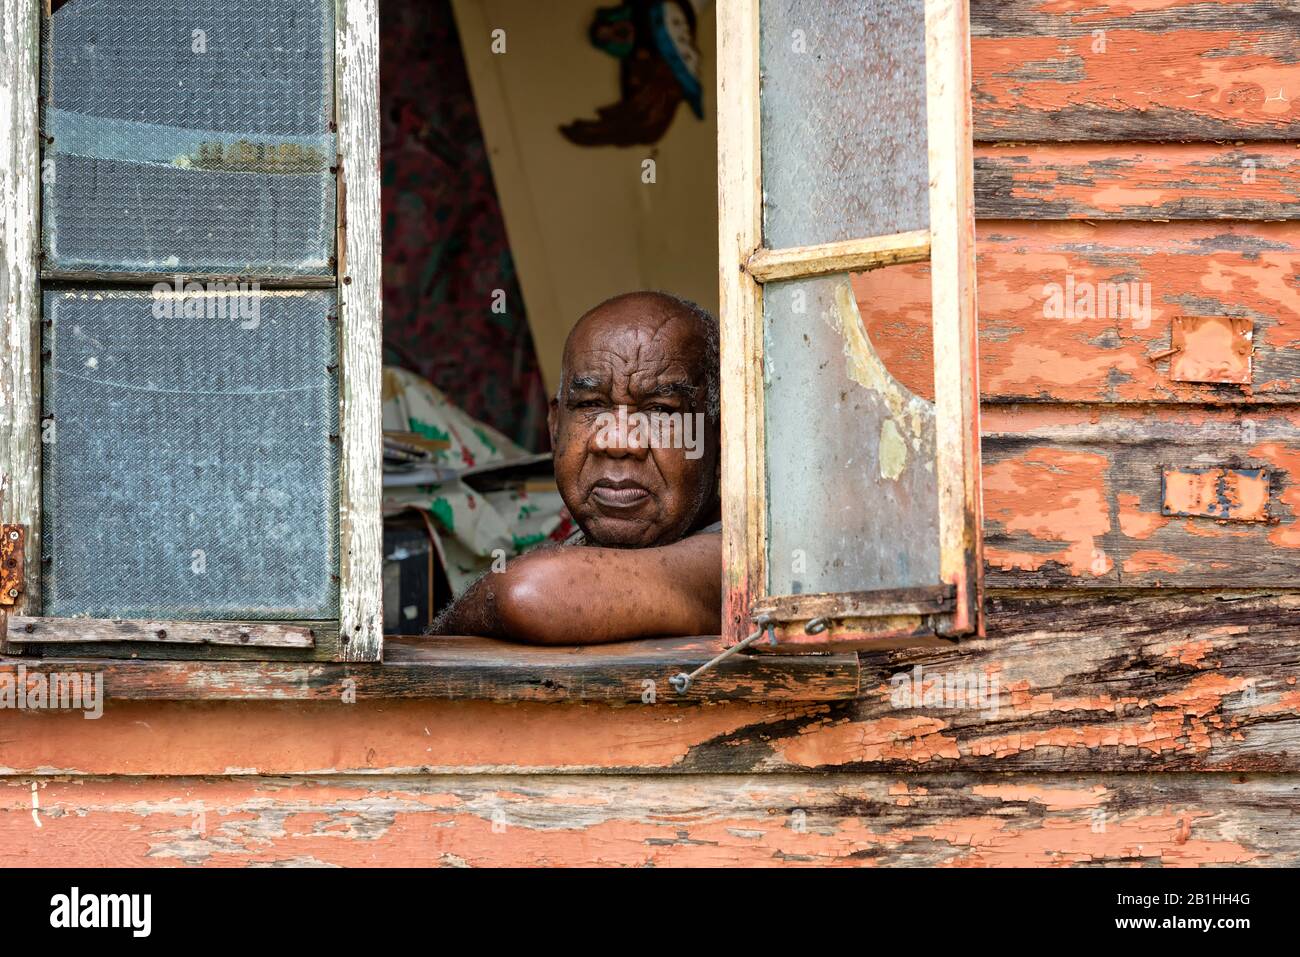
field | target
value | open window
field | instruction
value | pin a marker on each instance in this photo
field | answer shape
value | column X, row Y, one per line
column 221, row 229
column 850, row 503
column 189, row 444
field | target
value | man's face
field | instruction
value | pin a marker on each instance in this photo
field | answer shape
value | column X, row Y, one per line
column 631, row 495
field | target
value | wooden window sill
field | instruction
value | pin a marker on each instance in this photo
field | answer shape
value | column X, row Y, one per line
column 478, row 669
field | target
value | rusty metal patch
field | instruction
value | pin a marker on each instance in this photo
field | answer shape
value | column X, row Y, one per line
column 1235, row 495
column 1211, row 349
column 13, row 544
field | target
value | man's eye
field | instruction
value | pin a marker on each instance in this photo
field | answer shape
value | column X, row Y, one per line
column 658, row 407
column 588, row 404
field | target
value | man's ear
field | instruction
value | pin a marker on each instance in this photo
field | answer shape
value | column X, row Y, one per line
column 553, row 418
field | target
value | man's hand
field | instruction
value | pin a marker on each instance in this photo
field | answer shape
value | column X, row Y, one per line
column 574, row 595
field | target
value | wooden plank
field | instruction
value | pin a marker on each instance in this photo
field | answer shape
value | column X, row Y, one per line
column 1073, row 683
column 75, row 631
column 953, row 305
column 1137, row 182
column 1064, row 683
column 838, row 820
column 1177, row 70
column 798, row 262
column 20, row 305
column 481, row 669
column 1075, row 312
column 1075, row 497
column 360, row 301
column 744, row 574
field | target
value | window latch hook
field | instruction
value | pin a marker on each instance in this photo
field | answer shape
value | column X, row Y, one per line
column 681, row 682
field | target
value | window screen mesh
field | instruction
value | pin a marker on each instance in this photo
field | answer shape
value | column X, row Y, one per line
column 189, row 137
column 191, row 472
column 843, row 109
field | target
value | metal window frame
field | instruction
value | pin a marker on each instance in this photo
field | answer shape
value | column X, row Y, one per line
column 906, row 617
column 359, row 633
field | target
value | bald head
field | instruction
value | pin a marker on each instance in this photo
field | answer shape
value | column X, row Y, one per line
column 657, row 355
column 699, row 329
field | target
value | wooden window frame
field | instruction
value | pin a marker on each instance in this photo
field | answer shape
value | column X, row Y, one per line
column 359, row 635
column 862, row 620
column 462, row 669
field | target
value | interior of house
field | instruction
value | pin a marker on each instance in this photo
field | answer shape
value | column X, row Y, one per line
column 536, row 160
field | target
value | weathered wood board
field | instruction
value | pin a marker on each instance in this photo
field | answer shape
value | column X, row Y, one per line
column 1139, row 182
column 1073, row 497
column 1077, row 312
column 849, row 820
column 1064, row 683
column 1179, row 70
column 454, row 668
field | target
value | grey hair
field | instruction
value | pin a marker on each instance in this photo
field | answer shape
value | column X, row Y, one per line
column 709, row 331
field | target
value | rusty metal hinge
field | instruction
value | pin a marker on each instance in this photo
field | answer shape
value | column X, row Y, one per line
column 13, row 544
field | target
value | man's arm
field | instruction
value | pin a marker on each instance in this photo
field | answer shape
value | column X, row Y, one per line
column 585, row 596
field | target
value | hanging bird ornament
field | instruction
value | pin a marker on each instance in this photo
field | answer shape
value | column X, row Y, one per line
column 659, row 66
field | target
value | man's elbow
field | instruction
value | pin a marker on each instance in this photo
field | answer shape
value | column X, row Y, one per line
column 527, row 606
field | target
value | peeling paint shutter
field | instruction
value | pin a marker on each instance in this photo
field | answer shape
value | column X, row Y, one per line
column 857, row 524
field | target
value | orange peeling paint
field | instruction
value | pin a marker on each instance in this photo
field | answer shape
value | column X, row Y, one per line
column 1136, row 522
column 1054, row 799
column 915, row 739
column 1055, row 495
column 1190, row 653
column 1148, row 560
column 1287, row 534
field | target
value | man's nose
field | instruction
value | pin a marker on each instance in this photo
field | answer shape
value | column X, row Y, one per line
column 622, row 435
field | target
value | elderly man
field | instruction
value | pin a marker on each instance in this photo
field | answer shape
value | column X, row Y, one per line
column 639, row 371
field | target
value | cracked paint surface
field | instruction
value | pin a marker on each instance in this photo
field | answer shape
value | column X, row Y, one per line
column 846, row 820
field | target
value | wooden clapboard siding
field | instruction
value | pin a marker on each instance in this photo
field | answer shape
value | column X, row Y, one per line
column 1178, row 70
column 1027, row 355
column 1137, row 181
column 848, row 820
column 1073, row 497
column 477, row 668
column 1072, row 683
column 1090, row 684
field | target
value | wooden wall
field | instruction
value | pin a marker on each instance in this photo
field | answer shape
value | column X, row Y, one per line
column 1135, row 700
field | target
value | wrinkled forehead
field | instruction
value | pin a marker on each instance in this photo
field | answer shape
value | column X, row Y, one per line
column 634, row 354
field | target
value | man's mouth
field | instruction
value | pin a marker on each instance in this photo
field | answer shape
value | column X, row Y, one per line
column 619, row 494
